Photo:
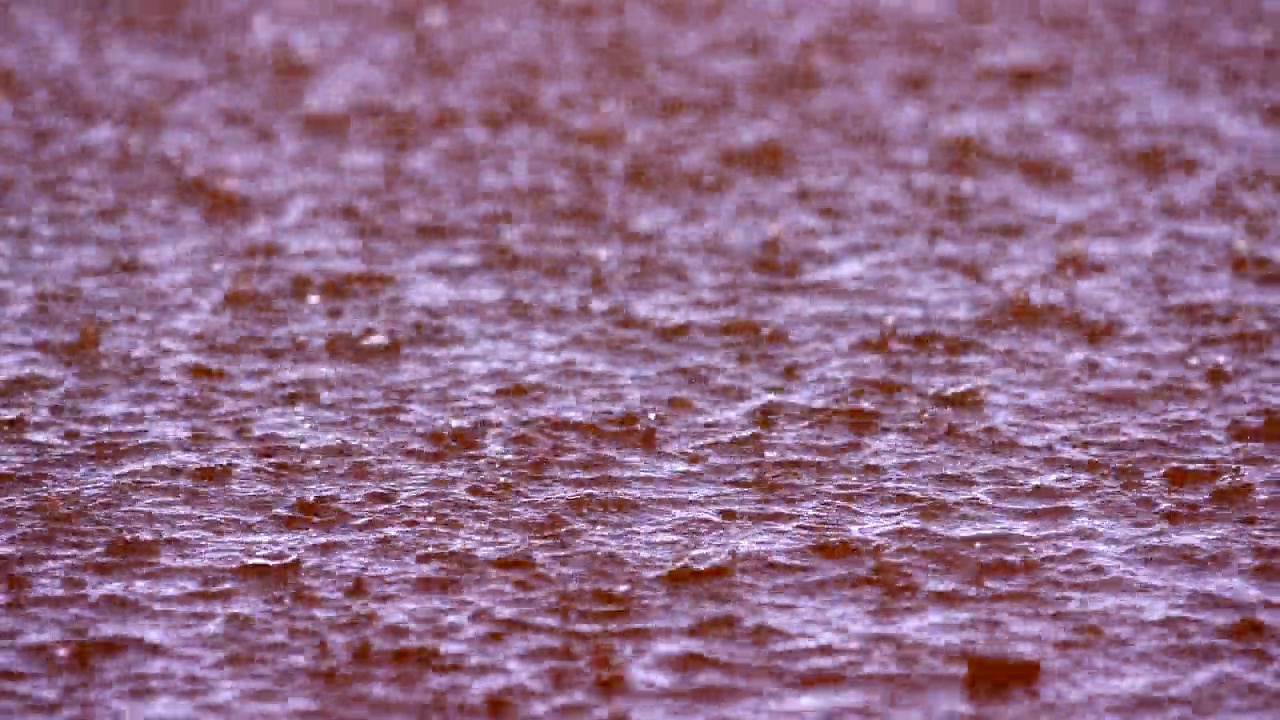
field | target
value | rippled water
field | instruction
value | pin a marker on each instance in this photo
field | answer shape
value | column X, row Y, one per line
column 639, row 359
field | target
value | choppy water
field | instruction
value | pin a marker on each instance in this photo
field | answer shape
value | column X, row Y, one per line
column 639, row 359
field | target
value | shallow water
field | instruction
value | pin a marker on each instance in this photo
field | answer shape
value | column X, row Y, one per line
column 649, row 359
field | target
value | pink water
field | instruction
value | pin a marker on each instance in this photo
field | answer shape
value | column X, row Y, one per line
column 725, row 359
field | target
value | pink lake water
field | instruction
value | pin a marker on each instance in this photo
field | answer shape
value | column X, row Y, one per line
column 566, row 359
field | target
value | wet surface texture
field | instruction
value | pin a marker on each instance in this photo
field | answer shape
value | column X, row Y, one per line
column 658, row 359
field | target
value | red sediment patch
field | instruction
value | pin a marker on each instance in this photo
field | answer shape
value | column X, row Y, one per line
column 992, row 675
column 1267, row 431
column 1184, row 476
column 687, row 574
